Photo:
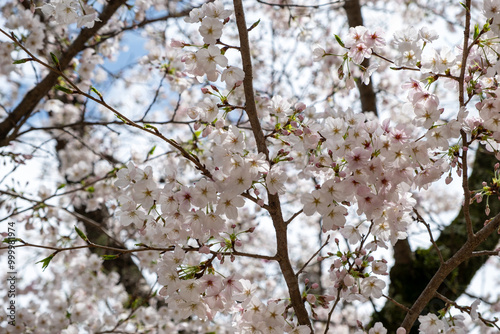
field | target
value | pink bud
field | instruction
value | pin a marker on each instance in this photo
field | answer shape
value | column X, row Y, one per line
column 448, row 179
column 205, row 90
column 315, row 286
column 204, row 249
column 401, row 330
column 176, row 43
column 207, row 131
column 219, row 124
column 238, row 243
column 348, row 280
column 300, row 107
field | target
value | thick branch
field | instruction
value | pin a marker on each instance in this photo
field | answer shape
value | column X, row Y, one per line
column 462, row 255
column 274, row 202
column 465, row 54
column 251, row 107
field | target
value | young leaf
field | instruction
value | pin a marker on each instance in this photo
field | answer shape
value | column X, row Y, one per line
column 63, row 89
column 109, row 257
column 476, row 31
column 149, row 126
column 45, row 262
column 339, row 41
column 92, row 88
column 254, row 25
column 55, row 60
column 11, row 240
column 151, row 151
column 22, row 61
column 81, row 234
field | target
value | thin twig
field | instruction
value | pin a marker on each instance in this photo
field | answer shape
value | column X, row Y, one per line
column 144, row 248
column 398, row 304
column 312, row 257
column 485, row 253
column 294, row 216
column 422, row 220
column 300, row 6
column 337, row 299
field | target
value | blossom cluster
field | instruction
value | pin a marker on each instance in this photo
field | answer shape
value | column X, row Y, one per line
column 212, row 18
column 71, row 11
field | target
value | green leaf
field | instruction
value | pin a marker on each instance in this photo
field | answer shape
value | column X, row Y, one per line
column 149, row 126
column 339, row 41
column 254, row 25
column 476, row 31
column 55, row 60
column 22, row 61
column 11, row 240
column 63, row 89
column 92, row 88
column 121, row 118
column 62, row 185
column 109, row 257
column 45, row 262
column 152, row 150
column 81, row 234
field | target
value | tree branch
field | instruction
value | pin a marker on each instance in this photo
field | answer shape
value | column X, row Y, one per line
column 25, row 108
column 446, row 268
column 251, row 107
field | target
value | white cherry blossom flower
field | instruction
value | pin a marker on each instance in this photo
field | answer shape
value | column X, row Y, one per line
column 211, row 30
column 430, row 324
column 275, row 180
